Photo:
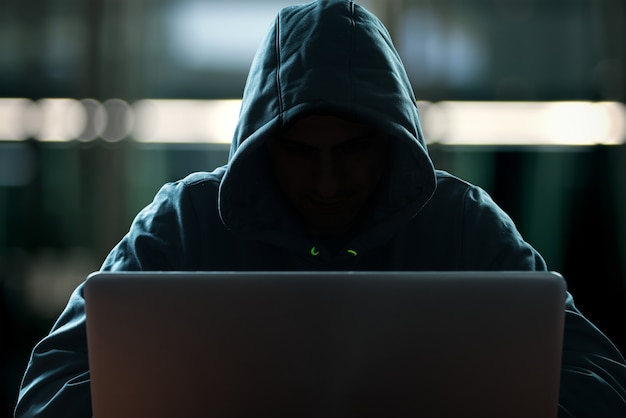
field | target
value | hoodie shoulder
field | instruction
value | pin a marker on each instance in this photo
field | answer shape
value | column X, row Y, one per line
column 202, row 177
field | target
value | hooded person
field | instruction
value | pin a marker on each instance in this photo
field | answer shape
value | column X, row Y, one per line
column 328, row 170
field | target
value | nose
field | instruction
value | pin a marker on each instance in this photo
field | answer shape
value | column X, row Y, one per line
column 327, row 180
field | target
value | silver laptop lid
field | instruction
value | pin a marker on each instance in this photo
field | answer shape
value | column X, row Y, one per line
column 443, row 344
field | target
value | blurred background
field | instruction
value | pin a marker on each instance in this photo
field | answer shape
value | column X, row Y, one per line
column 102, row 101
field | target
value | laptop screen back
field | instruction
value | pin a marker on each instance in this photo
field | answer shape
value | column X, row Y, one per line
column 365, row 344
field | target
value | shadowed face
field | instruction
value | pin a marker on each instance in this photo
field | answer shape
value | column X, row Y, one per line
column 328, row 169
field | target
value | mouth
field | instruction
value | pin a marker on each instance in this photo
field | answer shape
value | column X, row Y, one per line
column 328, row 216
column 328, row 205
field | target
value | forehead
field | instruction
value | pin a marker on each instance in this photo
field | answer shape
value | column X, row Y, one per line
column 325, row 129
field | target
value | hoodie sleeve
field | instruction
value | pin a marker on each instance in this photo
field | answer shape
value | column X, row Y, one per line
column 593, row 371
column 56, row 382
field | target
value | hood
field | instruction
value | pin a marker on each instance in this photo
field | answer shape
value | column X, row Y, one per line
column 329, row 56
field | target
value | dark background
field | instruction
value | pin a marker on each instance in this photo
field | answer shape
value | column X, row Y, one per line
column 64, row 205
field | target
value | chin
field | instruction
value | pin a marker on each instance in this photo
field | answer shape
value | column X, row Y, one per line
column 321, row 225
column 329, row 230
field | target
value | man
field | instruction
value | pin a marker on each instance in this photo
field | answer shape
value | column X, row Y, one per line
column 328, row 170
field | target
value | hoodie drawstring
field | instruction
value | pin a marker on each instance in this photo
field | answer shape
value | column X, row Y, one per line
column 315, row 252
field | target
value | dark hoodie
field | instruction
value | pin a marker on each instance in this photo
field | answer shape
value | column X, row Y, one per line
column 330, row 57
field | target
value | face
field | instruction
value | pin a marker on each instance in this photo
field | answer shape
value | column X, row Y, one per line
column 328, row 169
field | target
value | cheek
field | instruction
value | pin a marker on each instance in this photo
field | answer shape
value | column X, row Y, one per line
column 366, row 170
column 291, row 177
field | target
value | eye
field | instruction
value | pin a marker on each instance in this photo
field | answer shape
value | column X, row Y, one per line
column 295, row 148
column 357, row 145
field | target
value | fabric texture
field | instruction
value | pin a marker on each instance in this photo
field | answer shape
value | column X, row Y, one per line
column 326, row 57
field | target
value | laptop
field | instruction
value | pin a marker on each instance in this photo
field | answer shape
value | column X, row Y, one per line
column 325, row 344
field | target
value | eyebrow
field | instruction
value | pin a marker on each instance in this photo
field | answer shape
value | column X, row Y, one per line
column 365, row 135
